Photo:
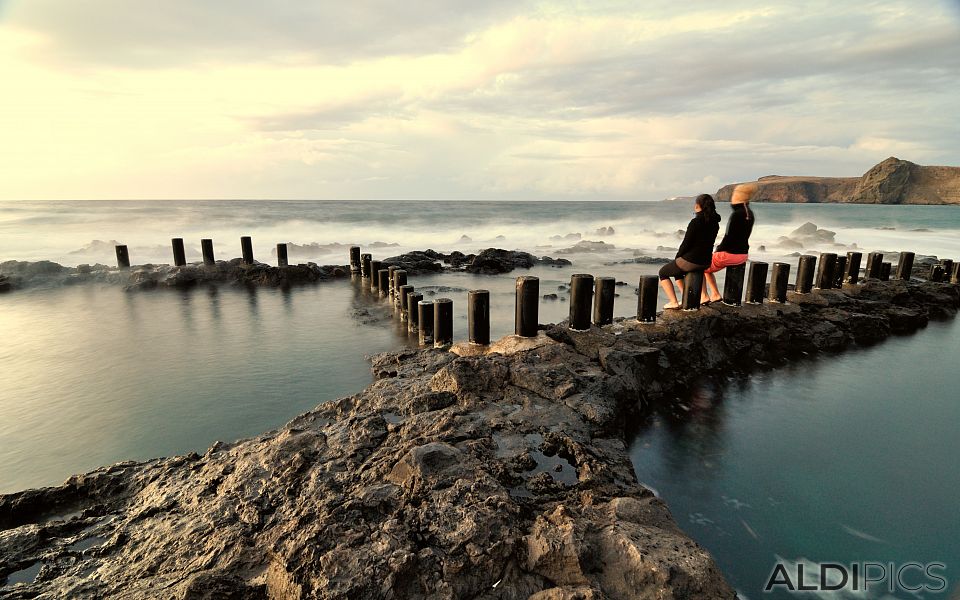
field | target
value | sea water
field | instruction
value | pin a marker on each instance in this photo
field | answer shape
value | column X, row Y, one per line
column 841, row 459
column 846, row 458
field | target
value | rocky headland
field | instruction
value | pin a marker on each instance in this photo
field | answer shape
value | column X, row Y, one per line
column 483, row 473
column 892, row 181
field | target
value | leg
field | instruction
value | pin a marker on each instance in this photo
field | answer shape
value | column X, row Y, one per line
column 667, row 286
column 712, row 288
column 668, row 271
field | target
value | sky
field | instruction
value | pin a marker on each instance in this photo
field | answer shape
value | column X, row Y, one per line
column 501, row 99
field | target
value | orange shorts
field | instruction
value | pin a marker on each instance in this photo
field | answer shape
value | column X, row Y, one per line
column 722, row 260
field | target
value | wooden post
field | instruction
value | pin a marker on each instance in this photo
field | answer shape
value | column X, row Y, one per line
column 839, row 271
column 375, row 266
column 442, row 322
column 824, row 280
column 246, row 246
column 389, row 292
column 905, row 266
column 123, row 257
column 383, row 282
column 365, row 265
column 603, row 302
column 805, row 271
column 885, row 271
column 179, row 254
column 527, row 307
column 413, row 311
column 282, row 260
column 692, row 288
column 733, row 284
column 757, row 282
column 399, row 280
column 354, row 259
column 778, row 282
column 581, row 298
column 478, row 317
column 425, row 321
column 936, row 273
column 403, row 293
column 853, row 267
column 874, row 260
column 206, row 246
column 647, row 299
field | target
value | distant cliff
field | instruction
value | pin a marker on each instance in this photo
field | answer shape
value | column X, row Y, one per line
column 892, row 181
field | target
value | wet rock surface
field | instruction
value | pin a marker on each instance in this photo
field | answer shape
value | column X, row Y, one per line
column 22, row 274
column 144, row 277
column 502, row 474
column 491, row 261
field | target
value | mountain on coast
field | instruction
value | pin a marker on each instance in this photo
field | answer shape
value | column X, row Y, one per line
column 892, row 181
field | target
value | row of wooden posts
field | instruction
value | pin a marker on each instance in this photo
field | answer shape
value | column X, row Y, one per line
column 592, row 299
column 206, row 248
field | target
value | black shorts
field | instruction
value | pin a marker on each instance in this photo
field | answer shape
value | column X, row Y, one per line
column 679, row 267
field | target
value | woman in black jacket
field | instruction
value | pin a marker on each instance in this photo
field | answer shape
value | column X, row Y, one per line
column 696, row 249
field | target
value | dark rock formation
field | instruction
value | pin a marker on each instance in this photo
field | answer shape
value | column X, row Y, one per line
column 495, row 260
column 892, row 181
column 641, row 260
column 809, row 235
column 143, row 277
column 491, row 261
column 553, row 262
column 418, row 262
column 587, row 246
column 498, row 475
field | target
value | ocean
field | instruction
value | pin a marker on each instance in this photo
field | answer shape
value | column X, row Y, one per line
column 839, row 459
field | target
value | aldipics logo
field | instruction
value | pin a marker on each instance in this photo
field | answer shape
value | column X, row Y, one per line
column 892, row 578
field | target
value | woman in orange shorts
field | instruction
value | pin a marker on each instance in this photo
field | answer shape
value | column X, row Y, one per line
column 734, row 248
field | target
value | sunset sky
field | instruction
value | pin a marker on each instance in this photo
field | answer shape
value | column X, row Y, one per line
column 465, row 100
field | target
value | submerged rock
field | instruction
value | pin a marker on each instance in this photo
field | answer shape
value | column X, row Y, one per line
column 587, row 246
column 496, row 260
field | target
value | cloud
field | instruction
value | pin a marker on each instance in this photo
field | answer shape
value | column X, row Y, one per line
column 456, row 100
column 155, row 33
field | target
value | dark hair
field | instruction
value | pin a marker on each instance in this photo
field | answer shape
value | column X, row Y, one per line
column 707, row 206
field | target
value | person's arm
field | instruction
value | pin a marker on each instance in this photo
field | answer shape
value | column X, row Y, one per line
column 688, row 237
column 735, row 228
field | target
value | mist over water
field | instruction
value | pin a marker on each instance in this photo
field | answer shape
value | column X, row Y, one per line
column 816, row 462
column 61, row 231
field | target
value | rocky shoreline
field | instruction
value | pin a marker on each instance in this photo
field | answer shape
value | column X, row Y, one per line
column 16, row 275
column 499, row 473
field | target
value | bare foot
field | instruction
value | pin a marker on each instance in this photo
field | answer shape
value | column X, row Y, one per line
column 716, row 298
column 671, row 305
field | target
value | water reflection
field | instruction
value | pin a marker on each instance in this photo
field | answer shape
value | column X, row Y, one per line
column 816, row 462
column 186, row 309
column 94, row 375
column 252, row 292
column 213, row 294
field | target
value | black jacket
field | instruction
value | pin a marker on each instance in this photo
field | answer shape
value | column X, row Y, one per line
column 697, row 244
column 737, row 238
